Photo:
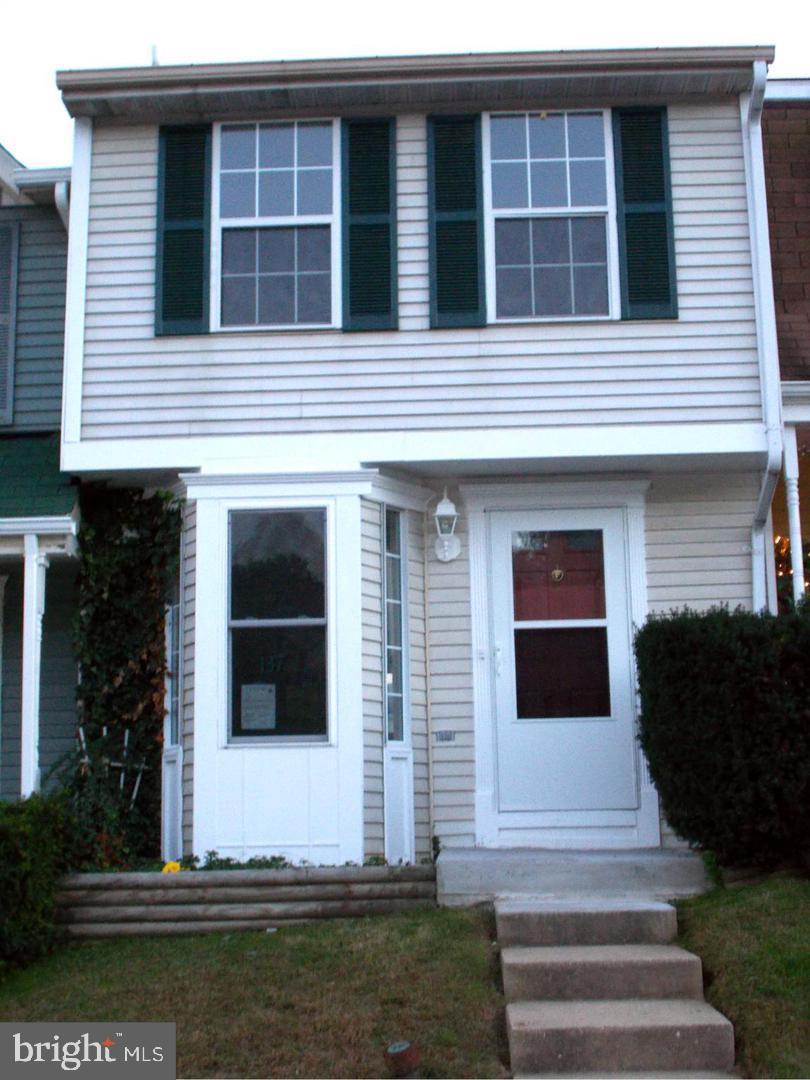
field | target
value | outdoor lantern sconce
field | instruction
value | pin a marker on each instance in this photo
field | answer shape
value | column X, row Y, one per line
column 448, row 545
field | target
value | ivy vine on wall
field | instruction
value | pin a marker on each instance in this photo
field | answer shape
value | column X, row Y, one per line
column 129, row 546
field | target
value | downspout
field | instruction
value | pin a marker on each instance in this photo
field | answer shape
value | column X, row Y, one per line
column 767, row 350
column 61, row 198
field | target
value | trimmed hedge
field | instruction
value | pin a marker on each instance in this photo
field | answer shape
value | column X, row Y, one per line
column 725, row 725
column 35, row 850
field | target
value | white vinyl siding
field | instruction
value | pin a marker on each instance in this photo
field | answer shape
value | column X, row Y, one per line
column 373, row 726
column 451, row 695
column 701, row 367
column 417, row 642
column 698, row 540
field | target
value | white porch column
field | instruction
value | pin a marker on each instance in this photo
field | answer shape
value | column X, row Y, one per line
column 33, row 610
column 794, row 520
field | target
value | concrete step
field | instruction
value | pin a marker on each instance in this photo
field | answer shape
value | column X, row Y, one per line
column 619, row 921
column 582, row 972
column 615, row 1036
column 476, row 875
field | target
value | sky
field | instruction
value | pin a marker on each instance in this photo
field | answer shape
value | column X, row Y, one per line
column 37, row 39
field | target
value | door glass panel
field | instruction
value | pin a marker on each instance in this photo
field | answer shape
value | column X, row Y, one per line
column 558, row 575
column 562, row 673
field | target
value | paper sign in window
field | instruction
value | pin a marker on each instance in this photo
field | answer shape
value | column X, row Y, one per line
column 258, row 706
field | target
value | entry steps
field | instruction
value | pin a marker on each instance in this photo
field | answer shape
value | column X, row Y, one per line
column 597, row 988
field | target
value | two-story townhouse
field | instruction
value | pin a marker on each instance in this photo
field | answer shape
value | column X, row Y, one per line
column 464, row 365
column 786, row 135
column 37, row 504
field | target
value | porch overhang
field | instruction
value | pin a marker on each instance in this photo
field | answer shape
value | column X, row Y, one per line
column 796, row 402
column 449, row 83
column 55, row 535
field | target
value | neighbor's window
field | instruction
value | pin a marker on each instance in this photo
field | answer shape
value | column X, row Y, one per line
column 548, row 214
column 277, row 623
column 276, row 213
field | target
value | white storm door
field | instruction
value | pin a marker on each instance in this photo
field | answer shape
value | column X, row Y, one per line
column 563, row 676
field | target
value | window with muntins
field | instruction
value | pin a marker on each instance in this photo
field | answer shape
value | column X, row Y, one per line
column 394, row 628
column 278, row 624
column 276, row 222
column 550, row 216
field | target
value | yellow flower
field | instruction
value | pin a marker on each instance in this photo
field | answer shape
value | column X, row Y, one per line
column 171, row 868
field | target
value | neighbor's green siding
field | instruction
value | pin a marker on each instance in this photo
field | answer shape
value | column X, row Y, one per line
column 40, row 318
column 57, row 724
column 31, row 484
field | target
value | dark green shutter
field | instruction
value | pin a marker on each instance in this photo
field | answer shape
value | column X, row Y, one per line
column 183, row 230
column 456, row 233
column 369, row 225
column 9, row 255
column 644, row 207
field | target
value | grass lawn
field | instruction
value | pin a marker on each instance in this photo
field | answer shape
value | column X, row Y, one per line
column 755, row 944
column 317, row 1000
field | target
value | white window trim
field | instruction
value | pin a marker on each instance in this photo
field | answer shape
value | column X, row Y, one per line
column 490, row 216
column 228, row 739
column 405, row 741
column 218, row 224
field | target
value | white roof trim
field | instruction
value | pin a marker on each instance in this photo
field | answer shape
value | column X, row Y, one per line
column 40, row 178
column 787, row 90
column 193, row 91
column 41, row 526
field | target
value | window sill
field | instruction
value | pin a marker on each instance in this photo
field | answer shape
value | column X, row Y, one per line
column 307, row 328
column 242, row 742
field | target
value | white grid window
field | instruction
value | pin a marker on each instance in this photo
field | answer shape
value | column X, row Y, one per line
column 550, row 216
column 276, row 244
column 394, row 628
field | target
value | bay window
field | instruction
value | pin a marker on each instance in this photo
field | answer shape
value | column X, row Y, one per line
column 278, row 624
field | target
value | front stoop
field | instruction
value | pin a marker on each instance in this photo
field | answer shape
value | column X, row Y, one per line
column 599, row 989
column 481, row 875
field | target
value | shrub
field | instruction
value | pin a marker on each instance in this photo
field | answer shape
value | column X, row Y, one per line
column 725, row 725
column 35, row 850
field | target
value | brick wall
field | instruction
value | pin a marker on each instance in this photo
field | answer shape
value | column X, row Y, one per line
column 786, row 135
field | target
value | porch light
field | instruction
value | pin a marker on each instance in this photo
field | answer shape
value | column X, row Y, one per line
column 448, row 545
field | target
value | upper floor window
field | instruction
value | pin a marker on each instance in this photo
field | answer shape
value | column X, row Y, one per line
column 294, row 224
column 275, row 226
column 550, row 216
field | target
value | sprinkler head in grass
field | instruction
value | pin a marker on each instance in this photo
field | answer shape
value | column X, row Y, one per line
column 402, row 1059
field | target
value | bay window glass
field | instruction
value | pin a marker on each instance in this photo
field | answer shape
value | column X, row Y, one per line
column 278, row 623
column 549, row 205
column 276, row 214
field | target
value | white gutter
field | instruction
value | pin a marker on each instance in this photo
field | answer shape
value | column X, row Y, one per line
column 767, row 350
column 788, row 90
column 61, row 199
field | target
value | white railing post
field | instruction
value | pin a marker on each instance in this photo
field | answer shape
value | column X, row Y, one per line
column 793, row 509
column 33, row 611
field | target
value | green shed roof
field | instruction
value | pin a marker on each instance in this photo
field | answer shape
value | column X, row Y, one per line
column 31, row 484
